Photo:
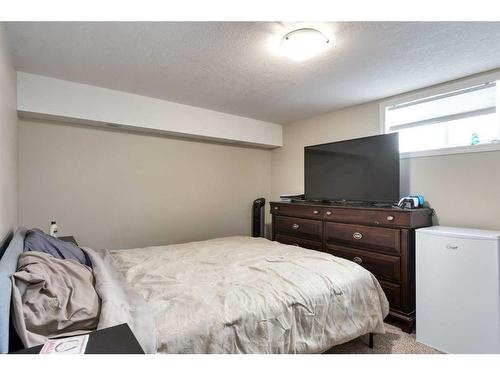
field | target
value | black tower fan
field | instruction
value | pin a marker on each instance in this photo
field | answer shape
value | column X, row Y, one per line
column 258, row 218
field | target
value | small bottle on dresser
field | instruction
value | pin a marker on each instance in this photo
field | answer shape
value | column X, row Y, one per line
column 53, row 229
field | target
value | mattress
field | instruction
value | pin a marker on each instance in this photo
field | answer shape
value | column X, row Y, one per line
column 252, row 295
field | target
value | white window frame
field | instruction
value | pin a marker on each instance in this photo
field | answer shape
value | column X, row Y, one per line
column 437, row 90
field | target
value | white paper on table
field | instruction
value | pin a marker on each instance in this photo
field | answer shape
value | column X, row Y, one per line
column 68, row 345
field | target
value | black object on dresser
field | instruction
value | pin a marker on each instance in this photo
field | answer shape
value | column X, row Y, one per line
column 380, row 239
column 114, row 340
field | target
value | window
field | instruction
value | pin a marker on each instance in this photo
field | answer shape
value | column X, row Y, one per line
column 452, row 118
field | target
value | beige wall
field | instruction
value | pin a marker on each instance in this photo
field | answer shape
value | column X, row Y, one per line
column 464, row 189
column 116, row 189
column 8, row 142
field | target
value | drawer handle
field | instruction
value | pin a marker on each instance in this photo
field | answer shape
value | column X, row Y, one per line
column 276, row 208
column 390, row 218
column 357, row 235
column 358, row 260
column 328, row 213
column 315, row 212
column 295, row 226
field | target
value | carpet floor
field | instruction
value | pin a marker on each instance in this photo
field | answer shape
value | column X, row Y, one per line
column 394, row 341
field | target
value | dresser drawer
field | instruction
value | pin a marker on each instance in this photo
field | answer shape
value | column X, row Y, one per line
column 383, row 239
column 393, row 294
column 311, row 230
column 313, row 245
column 370, row 217
column 385, row 266
column 297, row 210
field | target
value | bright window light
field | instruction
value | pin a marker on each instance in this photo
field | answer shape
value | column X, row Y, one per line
column 465, row 117
column 303, row 44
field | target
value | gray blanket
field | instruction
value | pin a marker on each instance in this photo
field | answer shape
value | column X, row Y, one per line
column 54, row 298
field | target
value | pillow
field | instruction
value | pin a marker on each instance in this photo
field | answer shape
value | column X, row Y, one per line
column 52, row 297
column 37, row 240
column 8, row 265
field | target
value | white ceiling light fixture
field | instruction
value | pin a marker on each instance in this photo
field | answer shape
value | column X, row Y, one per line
column 303, row 44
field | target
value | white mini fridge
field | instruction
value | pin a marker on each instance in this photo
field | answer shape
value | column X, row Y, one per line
column 458, row 289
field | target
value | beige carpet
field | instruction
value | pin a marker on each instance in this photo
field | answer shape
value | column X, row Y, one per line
column 394, row 341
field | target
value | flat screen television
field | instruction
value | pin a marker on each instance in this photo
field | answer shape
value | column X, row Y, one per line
column 360, row 170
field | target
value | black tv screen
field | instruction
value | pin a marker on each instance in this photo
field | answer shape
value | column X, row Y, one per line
column 363, row 169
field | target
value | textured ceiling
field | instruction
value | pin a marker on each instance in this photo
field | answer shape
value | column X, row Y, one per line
column 232, row 67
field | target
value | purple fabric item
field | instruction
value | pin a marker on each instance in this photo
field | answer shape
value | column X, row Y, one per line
column 37, row 240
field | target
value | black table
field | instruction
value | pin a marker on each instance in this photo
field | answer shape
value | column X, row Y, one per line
column 68, row 239
column 114, row 340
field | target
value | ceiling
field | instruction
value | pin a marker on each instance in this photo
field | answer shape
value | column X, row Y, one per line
column 233, row 67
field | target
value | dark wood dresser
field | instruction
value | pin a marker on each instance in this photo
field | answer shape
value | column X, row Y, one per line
column 380, row 239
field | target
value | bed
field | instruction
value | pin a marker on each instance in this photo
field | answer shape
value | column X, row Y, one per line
column 236, row 295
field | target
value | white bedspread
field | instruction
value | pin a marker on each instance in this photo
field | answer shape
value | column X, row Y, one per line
column 251, row 295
